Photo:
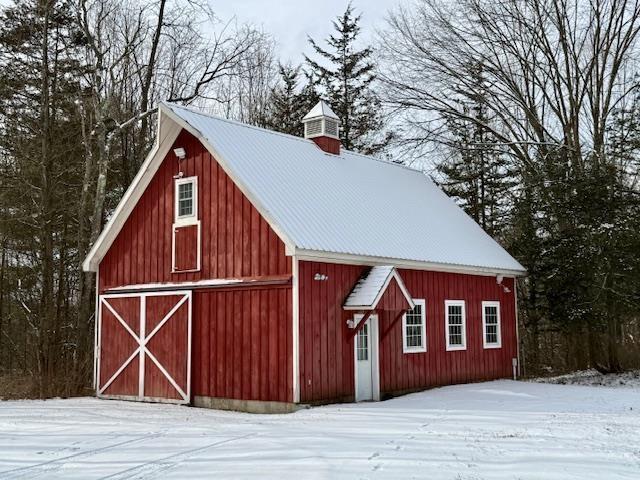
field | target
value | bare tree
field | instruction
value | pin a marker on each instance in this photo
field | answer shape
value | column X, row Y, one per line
column 555, row 74
column 553, row 69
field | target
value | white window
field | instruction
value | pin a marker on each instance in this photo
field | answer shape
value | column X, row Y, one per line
column 491, row 325
column 455, row 325
column 414, row 328
column 362, row 343
column 186, row 195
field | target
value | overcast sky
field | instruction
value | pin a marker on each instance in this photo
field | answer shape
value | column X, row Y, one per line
column 290, row 21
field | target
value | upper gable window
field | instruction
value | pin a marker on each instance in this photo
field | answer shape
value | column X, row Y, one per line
column 186, row 195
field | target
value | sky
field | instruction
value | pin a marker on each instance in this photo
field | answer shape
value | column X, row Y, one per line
column 291, row 21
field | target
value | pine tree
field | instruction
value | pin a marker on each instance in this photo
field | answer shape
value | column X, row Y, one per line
column 477, row 174
column 39, row 80
column 347, row 75
column 289, row 104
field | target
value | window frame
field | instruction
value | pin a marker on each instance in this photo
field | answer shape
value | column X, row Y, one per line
column 423, row 331
column 485, row 344
column 455, row 303
column 185, row 219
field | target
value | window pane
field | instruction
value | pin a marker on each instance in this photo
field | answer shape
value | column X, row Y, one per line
column 185, row 199
column 455, row 325
column 491, row 324
column 362, row 343
column 414, row 321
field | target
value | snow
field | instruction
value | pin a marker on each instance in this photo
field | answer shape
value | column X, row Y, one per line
column 347, row 204
column 592, row 377
column 197, row 283
column 493, row 430
column 368, row 288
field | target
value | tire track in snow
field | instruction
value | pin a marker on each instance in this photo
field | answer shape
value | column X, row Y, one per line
column 152, row 468
column 54, row 464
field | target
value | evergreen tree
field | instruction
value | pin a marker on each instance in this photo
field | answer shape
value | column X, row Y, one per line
column 40, row 178
column 477, row 174
column 288, row 103
column 347, row 75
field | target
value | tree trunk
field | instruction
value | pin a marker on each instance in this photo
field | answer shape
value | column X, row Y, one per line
column 46, row 214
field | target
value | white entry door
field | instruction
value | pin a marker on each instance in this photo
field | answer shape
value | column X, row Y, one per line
column 366, row 360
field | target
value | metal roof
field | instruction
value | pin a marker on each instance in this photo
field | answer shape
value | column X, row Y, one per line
column 369, row 290
column 348, row 204
column 321, row 109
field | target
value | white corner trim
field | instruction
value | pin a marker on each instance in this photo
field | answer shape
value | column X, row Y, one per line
column 96, row 334
column 498, row 344
column 515, row 300
column 423, row 348
column 295, row 298
column 447, row 303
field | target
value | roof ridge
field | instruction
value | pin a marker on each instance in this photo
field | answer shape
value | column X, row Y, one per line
column 287, row 135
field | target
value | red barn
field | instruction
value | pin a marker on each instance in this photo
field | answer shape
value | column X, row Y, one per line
column 253, row 270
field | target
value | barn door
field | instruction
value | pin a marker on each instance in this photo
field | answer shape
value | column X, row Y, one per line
column 144, row 346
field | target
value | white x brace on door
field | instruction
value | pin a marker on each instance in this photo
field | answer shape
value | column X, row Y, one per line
column 144, row 346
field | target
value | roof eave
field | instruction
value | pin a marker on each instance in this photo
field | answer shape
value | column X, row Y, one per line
column 353, row 259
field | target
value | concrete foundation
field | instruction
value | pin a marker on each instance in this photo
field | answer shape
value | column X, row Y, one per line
column 249, row 406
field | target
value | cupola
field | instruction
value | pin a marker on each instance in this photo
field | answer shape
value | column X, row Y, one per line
column 323, row 127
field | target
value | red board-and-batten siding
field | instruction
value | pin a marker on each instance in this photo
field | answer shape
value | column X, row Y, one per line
column 326, row 343
column 242, row 336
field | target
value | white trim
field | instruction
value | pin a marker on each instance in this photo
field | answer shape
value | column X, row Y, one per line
column 423, row 348
column 515, row 300
column 167, row 133
column 174, row 229
column 498, row 344
column 226, row 167
column 96, row 329
column 295, row 298
column 374, row 347
column 169, row 126
column 393, row 273
column 372, row 260
column 447, row 303
column 119, row 318
column 161, row 323
column 185, row 220
column 211, row 282
column 135, row 353
column 142, row 340
column 165, row 373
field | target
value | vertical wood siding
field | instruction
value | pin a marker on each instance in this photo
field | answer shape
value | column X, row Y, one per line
column 168, row 345
column 186, row 248
column 236, row 240
column 326, row 344
column 242, row 337
column 242, row 344
column 118, row 345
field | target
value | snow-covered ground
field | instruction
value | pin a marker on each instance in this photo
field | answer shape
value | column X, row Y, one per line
column 502, row 429
column 594, row 378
